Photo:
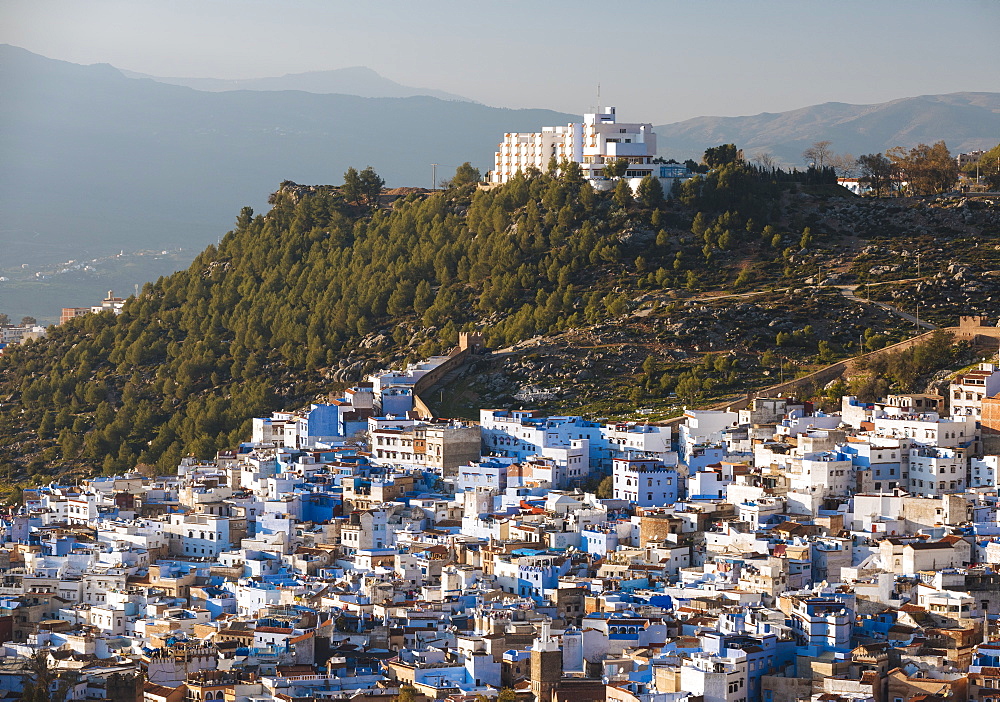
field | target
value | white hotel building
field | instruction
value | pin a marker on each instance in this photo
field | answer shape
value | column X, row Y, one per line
column 590, row 143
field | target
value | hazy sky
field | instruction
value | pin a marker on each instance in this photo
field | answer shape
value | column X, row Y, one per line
column 657, row 60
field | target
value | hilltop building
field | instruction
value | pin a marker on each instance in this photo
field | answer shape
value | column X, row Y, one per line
column 11, row 334
column 598, row 139
column 110, row 303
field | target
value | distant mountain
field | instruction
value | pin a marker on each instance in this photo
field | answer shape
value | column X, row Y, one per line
column 95, row 162
column 357, row 80
column 965, row 121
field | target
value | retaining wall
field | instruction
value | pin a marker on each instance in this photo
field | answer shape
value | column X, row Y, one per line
column 456, row 358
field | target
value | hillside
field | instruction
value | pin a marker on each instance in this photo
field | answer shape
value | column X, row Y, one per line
column 355, row 80
column 307, row 298
column 965, row 121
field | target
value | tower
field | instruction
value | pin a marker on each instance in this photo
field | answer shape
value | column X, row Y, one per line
column 546, row 665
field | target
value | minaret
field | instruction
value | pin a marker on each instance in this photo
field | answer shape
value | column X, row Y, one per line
column 546, row 664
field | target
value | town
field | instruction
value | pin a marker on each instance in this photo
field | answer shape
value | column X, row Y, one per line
column 397, row 352
column 363, row 548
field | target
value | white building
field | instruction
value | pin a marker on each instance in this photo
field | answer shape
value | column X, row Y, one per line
column 927, row 428
column 824, row 474
column 821, row 622
column 711, row 482
column 625, row 438
column 15, row 334
column 868, row 509
column 490, row 474
column 644, row 482
column 983, row 471
column 703, row 429
column 569, row 465
column 949, row 603
column 936, row 471
column 393, row 390
column 797, row 422
column 197, row 535
column 522, row 434
column 591, row 143
column 966, row 392
column 758, row 513
column 716, row 678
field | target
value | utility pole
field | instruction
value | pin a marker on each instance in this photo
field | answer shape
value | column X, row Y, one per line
column 434, row 176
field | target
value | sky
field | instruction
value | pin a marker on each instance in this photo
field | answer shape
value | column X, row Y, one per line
column 658, row 61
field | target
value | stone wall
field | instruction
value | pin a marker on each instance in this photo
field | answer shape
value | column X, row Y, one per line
column 469, row 343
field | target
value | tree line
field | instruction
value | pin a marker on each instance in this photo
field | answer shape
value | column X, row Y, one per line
column 921, row 170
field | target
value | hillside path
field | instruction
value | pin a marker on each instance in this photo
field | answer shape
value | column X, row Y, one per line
column 850, row 292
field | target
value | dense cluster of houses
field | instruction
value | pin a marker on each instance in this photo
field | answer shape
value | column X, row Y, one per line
column 358, row 550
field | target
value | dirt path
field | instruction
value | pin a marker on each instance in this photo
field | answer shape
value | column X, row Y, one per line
column 850, row 292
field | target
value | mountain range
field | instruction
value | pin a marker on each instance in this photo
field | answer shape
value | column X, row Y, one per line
column 355, row 80
column 965, row 121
